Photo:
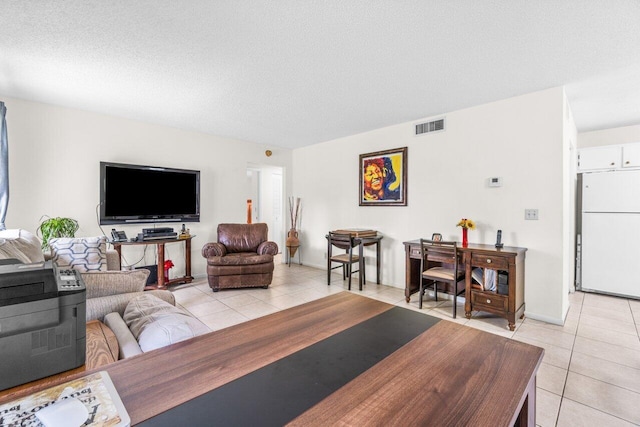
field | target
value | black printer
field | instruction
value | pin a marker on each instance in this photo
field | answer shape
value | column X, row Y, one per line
column 42, row 321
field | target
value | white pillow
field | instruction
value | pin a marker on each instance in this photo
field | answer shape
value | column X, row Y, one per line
column 21, row 245
column 156, row 323
column 82, row 254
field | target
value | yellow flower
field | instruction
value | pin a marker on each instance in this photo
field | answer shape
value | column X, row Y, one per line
column 466, row 223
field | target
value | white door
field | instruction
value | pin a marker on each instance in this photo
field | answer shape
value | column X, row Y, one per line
column 277, row 233
column 266, row 192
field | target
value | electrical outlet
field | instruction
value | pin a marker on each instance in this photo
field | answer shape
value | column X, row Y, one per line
column 531, row 214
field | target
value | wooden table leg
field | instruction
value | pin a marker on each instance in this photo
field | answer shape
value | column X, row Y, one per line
column 378, row 262
column 361, row 275
column 187, row 258
column 160, row 265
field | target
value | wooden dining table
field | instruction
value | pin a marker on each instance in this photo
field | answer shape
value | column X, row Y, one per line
column 340, row 360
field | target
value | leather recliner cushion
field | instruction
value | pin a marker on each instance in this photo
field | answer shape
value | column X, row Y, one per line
column 242, row 258
column 242, row 237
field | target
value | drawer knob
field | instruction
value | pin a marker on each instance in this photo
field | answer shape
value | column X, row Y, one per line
column 488, row 261
column 488, row 301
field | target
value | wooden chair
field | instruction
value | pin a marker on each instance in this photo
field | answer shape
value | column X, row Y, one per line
column 347, row 259
column 445, row 253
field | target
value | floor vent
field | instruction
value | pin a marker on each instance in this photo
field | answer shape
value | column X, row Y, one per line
column 428, row 127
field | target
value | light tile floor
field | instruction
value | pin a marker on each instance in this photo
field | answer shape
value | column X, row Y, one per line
column 590, row 374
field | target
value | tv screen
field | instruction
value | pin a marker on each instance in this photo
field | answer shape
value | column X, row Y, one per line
column 145, row 194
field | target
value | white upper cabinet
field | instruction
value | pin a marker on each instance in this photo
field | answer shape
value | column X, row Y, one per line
column 609, row 157
column 599, row 158
column 631, row 155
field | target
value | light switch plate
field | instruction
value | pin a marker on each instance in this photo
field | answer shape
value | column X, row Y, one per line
column 495, row 181
column 531, row 214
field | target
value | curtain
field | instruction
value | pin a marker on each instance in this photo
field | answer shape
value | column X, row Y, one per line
column 4, row 166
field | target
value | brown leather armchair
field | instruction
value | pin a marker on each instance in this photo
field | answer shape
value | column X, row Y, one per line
column 242, row 257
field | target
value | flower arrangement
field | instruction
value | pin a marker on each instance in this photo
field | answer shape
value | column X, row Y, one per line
column 168, row 264
column 466, row 223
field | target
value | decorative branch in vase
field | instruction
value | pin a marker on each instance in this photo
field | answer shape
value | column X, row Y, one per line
column 292, row 236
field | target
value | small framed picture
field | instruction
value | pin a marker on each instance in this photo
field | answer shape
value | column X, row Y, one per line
column 436, row 237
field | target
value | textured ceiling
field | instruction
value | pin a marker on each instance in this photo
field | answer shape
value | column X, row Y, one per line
column 298, row 72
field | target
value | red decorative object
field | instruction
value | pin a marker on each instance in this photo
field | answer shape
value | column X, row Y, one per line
column 465, row 241
column 168, row 264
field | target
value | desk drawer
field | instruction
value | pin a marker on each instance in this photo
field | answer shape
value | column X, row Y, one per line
column 489, row 299
column 489, row 261
column 414, row 252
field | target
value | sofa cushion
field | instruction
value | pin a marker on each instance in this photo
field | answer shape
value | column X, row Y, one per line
column 82, row 254
column 21, row 245
column 104, row 283
column 156, row 323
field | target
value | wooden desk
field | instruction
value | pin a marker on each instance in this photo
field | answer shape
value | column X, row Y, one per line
column 484, row 379
column 509, row 260
column 161, row 283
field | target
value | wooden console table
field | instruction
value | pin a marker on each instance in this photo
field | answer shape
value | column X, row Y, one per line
column 162, row 284
column 365, row 238
column 508, row 260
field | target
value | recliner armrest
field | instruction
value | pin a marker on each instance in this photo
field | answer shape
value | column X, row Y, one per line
column 268, row 248
column 213, row 249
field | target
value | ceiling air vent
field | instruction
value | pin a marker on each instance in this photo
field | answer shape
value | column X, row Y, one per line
column 433, row 126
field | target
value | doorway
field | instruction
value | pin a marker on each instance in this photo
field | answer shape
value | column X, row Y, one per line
column 265, row 184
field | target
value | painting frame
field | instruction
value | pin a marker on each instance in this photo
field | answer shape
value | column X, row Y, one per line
column 381, row 184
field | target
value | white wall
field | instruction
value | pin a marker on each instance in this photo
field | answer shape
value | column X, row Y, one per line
column 519, row 139
column 570, row 135
column 613, row 136
column 54, row 155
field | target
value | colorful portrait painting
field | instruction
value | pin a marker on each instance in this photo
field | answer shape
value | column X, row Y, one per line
column 383, row 178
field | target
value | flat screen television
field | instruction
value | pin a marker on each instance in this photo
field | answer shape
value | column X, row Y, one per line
column 147, row 194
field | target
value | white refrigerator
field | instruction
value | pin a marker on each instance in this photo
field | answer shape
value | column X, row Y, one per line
column 610, row 233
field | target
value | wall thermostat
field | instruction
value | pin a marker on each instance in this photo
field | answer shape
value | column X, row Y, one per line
column 495, row 181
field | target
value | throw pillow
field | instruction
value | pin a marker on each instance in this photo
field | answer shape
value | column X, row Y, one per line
column 21, row 245
column 82, row 254
column 156, row 323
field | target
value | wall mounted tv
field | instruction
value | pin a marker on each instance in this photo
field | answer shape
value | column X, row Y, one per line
column 147, row 194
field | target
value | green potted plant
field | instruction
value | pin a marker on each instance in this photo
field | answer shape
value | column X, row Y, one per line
column 51, row 228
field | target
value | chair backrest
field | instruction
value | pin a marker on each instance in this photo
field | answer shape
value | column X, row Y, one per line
column 445, row 252
column 242, row 237
column 342, row 241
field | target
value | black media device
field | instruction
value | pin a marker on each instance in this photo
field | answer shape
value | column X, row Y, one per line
column 499, row 239
column 118, row 236
column 148, row 194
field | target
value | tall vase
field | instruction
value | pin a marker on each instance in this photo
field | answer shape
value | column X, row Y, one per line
column 292, row 242
column 465, row 241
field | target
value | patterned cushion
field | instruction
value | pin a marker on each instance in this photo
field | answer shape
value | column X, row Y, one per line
column 82, row 254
